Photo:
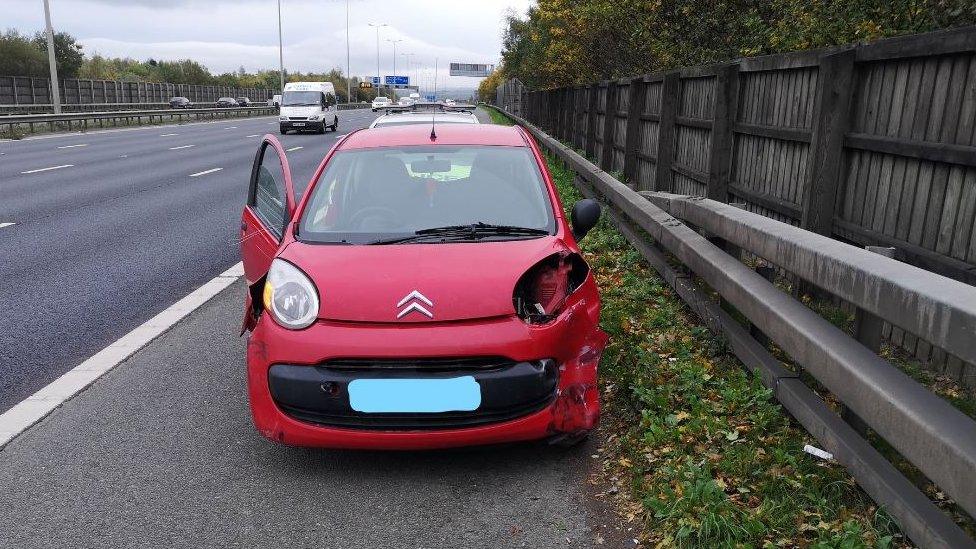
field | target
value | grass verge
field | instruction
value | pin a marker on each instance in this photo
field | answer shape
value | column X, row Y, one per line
column 696, row 451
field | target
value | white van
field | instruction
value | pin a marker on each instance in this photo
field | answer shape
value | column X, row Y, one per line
column 308, row 106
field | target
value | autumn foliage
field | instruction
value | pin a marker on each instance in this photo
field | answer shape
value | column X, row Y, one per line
column 566, row 42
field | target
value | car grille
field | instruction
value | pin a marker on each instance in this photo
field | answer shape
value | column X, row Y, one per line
column 421, row 364
column 298, row 118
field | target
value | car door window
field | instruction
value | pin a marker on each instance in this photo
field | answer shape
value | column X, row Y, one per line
column 268, row 195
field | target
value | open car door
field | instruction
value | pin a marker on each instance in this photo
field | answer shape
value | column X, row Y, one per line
column 267, row 214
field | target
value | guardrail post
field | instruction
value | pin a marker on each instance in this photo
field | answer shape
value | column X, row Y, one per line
column 769, row 273
column 609, row 123
column 720, row 158
column 635, row 107
column 835, row 84
column 868, row 329
column 591, row 120
column 670, row 89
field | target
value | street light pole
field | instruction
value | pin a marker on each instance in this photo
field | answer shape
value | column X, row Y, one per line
column 55, row 89
column 379, row 82
column 392, row 88
column 348, row 64
column 409, row 64
column 281, row 54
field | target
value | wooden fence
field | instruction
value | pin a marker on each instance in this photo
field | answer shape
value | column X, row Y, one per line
column 874, row 144
column 22, row 90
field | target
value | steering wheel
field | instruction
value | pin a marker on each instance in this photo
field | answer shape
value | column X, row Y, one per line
column 390, row 215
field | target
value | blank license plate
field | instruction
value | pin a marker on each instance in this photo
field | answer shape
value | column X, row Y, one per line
column 297, row 123
column 458, row 394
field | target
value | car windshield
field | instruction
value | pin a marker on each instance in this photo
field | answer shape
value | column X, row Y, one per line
column 385, row 194
column 301, row 99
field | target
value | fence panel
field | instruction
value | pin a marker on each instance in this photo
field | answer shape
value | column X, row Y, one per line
column 19, row 90
column 874, row 144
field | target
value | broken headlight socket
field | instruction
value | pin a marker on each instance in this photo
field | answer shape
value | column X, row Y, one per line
column 542, row 291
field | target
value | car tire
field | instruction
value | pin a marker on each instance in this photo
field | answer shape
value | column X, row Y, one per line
column 335, row 124
column 282, row 130
column 323, row 129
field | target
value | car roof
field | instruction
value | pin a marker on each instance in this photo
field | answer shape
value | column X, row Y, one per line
column 447, row 134
column 421, row 117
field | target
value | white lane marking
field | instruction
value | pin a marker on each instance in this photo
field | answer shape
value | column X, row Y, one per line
column 48, row 169
column 34, row 408
column 293, row 149
column 253, row 135
column 341, row 136
column 205, row 172
column 231, row 128
column 168, row 134
column 181, row 147
column 7, row 224
column 73, row 146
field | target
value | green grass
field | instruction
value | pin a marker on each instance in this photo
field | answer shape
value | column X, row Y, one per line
column 701, row 447
column 697, row 449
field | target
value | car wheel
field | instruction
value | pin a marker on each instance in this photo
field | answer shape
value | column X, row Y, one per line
column 282, row 130
column 335, row 124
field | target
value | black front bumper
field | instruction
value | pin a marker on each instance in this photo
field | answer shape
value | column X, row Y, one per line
column 319, row 394
column 305, row 125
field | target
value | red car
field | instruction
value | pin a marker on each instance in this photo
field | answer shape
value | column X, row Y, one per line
column 425, row 292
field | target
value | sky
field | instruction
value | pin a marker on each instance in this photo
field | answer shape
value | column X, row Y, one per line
column 227, row 34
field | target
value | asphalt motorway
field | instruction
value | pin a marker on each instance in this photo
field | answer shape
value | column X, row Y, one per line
column 161, row 452
column 100, row 231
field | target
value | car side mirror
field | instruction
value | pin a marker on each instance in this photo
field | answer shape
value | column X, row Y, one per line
column 585, row 215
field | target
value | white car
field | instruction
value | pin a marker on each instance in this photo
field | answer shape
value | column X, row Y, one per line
column 409, row 118
column 380, row 102
column 308, row 106
column 406, row 101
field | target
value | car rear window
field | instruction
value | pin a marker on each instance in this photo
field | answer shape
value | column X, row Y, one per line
column 371, row 194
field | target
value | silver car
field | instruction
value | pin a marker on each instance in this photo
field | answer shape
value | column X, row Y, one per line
column 420, row 117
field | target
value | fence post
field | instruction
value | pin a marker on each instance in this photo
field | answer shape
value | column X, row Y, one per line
column 835, row 84
column 591, row 120
column 720, row 158
column 561, row 114
column 670, row 89
column 609, row 122
column 635, row 107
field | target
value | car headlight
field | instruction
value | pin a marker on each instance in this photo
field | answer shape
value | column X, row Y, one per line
column 290, row 296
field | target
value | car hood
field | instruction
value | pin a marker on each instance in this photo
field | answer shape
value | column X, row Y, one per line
column 455, row 281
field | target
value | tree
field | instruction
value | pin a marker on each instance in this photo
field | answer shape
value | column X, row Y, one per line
column 20, row 57
column 566, row 42
column 67, row 52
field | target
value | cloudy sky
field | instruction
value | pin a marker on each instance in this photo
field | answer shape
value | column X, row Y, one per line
column 227, row 34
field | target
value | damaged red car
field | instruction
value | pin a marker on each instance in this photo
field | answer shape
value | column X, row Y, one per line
column 426, row 291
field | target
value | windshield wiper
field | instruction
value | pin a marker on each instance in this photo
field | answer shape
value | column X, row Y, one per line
column 467, row 232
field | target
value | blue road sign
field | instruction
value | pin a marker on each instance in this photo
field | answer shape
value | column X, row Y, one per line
column 396, row 80
column 376, row 80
